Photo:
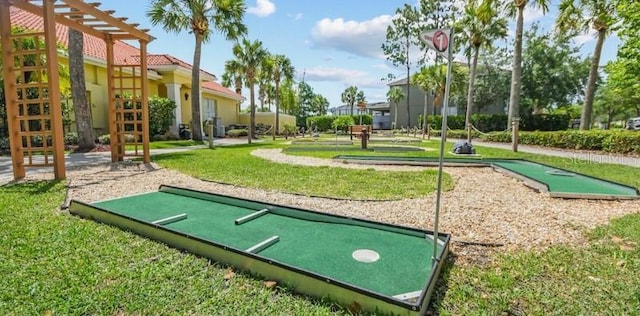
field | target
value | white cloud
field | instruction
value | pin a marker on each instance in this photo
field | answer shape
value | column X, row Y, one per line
column 296, row 17
column 585, row 37
column 531, row 14
column 359, row 38
column 348, row 77
column 263, row 8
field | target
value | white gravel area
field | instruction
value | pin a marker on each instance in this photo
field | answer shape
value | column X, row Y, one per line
column 485, row 206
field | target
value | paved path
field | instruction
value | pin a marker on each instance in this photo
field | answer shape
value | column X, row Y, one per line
column 83, row 159
column 576, row 156
column 80, row 159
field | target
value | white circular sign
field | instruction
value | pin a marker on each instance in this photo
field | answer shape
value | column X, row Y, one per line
column 365, row 255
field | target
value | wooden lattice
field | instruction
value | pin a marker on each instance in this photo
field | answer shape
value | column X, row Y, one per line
column 128, row 112
column 31, row 83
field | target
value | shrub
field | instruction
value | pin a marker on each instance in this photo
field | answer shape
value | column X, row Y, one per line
column 71, row 139
column 366, row 119
column 160, row 115
column 323, row 123
column 4, row 143
column 459, row 133
column 342, row 122
column 288, row 129
column 238, row 132
column 622, row 142
column 104, row 139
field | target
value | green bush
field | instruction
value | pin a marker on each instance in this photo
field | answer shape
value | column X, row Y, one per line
column 366, row 119
column 545, row 122
column 323, row 123
column 71, row 139
column 160, row 115
column 342, row 122
column 498, row 122
column 458, row 133
column 622, row 142
column 4, row 143
column 104, row 139
column 238, row 132
column 489, row 123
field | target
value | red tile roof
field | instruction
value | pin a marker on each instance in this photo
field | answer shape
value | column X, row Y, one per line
column 123, row 53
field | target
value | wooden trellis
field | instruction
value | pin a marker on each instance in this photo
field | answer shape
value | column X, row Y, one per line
column 32, row 88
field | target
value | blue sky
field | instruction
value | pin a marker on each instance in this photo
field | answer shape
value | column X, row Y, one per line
column 334, row 43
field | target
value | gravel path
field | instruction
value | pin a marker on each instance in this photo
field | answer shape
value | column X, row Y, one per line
column 485, row 206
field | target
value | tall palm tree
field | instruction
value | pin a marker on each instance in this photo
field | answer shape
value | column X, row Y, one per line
column 422, row 80
column 395, row 95
column 516, row 8
column 352, row 96
column 579, row 16
column 264, row 76
column 282, row 70
column 202, row 18
column 81, row 110
column 250, row 55
column 481, row 24
column 233, row 75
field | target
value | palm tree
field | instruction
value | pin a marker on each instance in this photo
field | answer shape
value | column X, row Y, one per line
column 352, row 96
column 233, row 75
column 82, row 112
column 264, row 77
column 200, row 17
column 481, row 24
column 250, row 56
column 516, row 8
column 282, row 70
column 395, row 95
column 422, row 80
column 578, row 16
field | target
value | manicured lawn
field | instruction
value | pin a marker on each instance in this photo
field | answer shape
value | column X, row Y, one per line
column 235, row 165
column 58, row 263
column 53, row 262
column 168, row 144
column 618, row 173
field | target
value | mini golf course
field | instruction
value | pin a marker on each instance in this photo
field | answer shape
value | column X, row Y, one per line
column 557, row 182
column 382, row 268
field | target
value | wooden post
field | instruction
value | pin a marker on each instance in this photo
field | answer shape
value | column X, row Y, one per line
column 10, row 92
column 210, row 128
column 146, row 158
column 113, row 126
column 514, row 138
column 53, row 86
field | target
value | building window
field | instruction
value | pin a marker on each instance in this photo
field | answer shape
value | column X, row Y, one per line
column 209, row 109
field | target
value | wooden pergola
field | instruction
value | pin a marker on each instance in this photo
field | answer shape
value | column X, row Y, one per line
column 32, row 90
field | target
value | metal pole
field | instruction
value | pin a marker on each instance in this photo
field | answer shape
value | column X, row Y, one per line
column 443, row 139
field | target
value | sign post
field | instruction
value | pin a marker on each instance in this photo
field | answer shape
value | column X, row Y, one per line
column 441, row 41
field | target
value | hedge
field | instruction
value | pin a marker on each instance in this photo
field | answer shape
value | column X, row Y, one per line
column 621, row 142
column 498, row 122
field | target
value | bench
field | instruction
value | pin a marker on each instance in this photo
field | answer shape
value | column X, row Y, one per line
column 357, row 130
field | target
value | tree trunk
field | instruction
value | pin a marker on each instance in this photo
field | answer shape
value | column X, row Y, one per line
column 472, row 78
column 424, row 113
column 84, row 124
column 514, row 98
column 252, row 123
column 408, row 88
column 196, row 128
column 277, row 127
column 587, row 109
column 395, row 117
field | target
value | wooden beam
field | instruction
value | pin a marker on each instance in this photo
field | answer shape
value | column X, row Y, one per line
column 49, row 17
column 11, row 95
column 34, row 9
column 93, row 11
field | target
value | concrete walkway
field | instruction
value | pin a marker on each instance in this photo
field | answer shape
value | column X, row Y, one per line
column 94, row 158
column 576, row 156
column 83, row 159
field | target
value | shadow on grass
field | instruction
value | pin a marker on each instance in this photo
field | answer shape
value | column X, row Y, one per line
column 30, row 188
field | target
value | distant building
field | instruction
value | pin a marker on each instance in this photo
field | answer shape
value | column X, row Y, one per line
column 378, row 110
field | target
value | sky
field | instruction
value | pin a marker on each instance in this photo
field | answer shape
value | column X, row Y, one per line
column 332, row 44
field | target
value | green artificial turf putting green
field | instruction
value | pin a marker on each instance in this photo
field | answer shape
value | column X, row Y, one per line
column 320, row 246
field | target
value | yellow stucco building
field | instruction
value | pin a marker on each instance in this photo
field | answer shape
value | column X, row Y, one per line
column 167, row 76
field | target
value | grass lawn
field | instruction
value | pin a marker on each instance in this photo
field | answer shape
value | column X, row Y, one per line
column 235, row 165
column 56, row 263
column 168, row 144
column 618, row 173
